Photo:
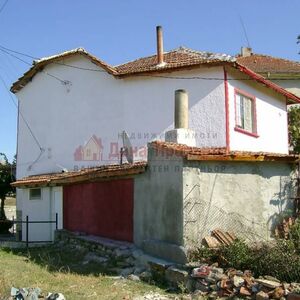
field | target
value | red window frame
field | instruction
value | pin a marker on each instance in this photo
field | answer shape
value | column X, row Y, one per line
column 253, row 99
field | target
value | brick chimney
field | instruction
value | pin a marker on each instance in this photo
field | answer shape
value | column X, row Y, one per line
column 246, row 51
column 160, row 46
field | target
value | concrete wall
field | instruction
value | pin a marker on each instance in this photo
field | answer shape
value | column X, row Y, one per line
column 271, row 114
column 158, row 210
column 245, row 198
column 63, row 117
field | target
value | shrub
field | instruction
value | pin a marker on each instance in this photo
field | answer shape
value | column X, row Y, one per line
column 5, row 225
column 237, row 255
column 279, row 259
column 295, row 235
column 203, row 255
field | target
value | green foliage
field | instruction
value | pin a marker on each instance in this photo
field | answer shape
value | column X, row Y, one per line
column 6, row 178
column 203, row 255
column 280, row 259
column 237, row 255
column 294, row 128
column 295, row 235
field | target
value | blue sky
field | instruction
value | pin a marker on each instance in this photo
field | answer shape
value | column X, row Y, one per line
column 117, row 31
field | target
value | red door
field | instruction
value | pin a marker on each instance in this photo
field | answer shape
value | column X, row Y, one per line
column 100, row 208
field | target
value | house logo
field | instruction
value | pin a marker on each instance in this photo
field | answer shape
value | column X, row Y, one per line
column 91, row 151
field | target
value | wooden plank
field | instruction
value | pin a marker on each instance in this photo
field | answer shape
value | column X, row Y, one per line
column 250, row 158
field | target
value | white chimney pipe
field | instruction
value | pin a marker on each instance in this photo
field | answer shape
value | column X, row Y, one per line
column 181, row 109
column 181, row 134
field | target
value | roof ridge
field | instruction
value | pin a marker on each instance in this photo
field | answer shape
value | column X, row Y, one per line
column 78, row 49
column 183, row 49
column 269, row 56
column 144, row 57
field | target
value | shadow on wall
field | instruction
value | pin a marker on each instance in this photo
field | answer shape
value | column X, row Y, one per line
column 203, row 213
column 283, row 202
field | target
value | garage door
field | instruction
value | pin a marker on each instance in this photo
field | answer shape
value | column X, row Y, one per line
column 100, row 208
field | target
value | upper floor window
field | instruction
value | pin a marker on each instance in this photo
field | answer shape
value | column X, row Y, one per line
column 245, row 113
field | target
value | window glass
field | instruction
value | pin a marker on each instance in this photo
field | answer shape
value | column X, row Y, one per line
column 245, row 113
column 35, row 194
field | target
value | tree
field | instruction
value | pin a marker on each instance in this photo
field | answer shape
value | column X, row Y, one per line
column 294, row 128
column 6, row 178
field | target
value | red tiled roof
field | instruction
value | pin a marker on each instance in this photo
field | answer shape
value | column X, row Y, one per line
column 267, row 64
column 177, row 58
column 218, row 154
column 88, row 174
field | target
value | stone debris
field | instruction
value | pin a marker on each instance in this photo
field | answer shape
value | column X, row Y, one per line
column 25, row 293
column 261, row 296
column 213, row 282
column 200, row 281
column 269, row 283
column 133, row 277
column 151, row 296
column 33, row 294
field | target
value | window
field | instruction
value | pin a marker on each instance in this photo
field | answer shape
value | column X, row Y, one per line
column 35, row 194
column 245, row 114
column 88, row 152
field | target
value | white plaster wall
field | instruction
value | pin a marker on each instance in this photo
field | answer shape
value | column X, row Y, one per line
column 36, row 210
column 64, row 117
column 44, row 209
column 56, row 208
column 271, row 113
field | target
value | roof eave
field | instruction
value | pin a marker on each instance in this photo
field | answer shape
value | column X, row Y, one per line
column 244, row 158
column 259, row 78
column 40, row 65
column 81, row 178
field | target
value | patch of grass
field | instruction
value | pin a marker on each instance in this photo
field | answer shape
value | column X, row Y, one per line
column 61, row 270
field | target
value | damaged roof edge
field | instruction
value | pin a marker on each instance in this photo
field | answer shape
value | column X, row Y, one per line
column 85, row 175
column 219, row 154
column 259, row 78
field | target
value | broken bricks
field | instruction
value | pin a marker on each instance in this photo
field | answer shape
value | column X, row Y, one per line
column 211, row 280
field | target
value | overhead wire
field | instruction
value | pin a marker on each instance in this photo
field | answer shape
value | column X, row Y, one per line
column 7, row 50
column 3, row 6
column 27, row 63
column 21, row 114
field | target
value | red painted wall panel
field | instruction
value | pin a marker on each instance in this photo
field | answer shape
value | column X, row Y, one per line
column 100, row 208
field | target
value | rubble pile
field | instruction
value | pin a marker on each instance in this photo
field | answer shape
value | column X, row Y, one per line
column 215, row 282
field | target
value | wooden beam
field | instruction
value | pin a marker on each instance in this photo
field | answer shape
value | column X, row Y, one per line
column 250, row 158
